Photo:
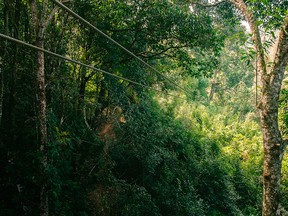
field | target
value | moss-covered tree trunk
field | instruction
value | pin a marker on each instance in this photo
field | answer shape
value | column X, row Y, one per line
column 271, row 80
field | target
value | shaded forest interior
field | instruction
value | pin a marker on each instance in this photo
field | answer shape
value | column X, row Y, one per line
column 108, row 135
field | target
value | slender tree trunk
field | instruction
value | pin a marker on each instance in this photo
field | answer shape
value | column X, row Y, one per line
column 44, row 207
column 41, row 21
column 41, row 95
column 82, row 88
column 81, row 110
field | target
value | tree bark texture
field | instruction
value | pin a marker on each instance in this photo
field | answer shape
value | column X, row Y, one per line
column 41, row 101
column 273, row 154
column 44, row 207
column 271, row 80
column 274, row 145
column 40, row 22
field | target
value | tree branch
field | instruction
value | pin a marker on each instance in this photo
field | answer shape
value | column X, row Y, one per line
column 49, row 18
column 280, row 57
column 40, row 25
column 240, row 5
column 34, row 12
column 44, row 10
column 159, row 53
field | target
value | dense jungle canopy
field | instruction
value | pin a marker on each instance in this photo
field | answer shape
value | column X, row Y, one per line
column 143, row 107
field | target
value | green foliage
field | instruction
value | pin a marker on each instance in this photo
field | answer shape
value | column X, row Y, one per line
column 182, row 172
column 168, row 157
column 238, row 146
column 269, row 13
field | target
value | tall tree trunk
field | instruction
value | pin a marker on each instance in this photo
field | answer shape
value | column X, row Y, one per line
column 273, row 154
column 44, row 207
column 271, row 80
column 40, row 22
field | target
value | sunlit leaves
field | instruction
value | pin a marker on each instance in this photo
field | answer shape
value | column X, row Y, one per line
column 270, row 13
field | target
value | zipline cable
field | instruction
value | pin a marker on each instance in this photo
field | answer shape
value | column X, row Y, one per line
column 82, row 64
column 118, row 44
